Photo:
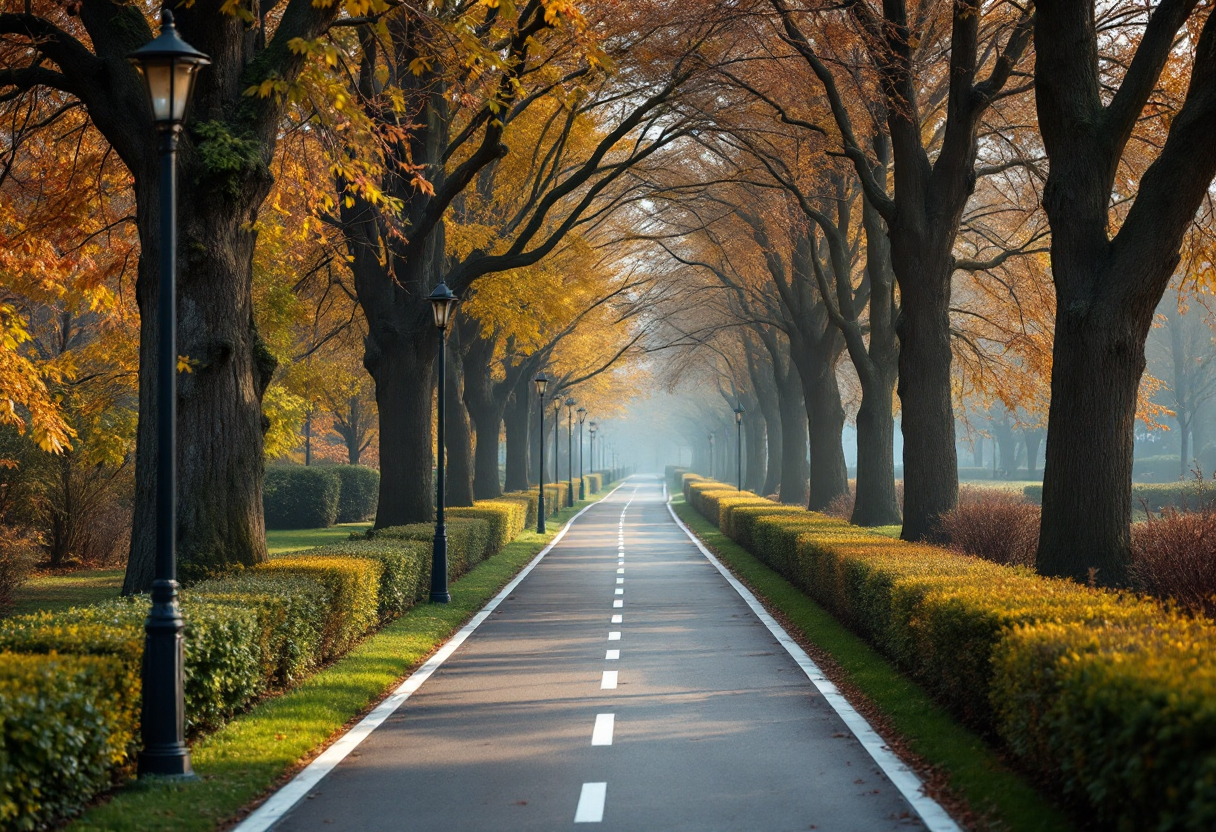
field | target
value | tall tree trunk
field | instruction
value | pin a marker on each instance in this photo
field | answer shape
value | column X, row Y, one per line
column 459, row 439
column 1091, row 429
column 1108, row 289
column 519, row 422
column 794, row 472
column 927, row 413
column 876, row 503
column 219, row 403
column 829, row 475
column 486, row 409
column 407, row 484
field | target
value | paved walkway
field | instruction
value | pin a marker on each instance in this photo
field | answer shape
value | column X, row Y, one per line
column 623, row 685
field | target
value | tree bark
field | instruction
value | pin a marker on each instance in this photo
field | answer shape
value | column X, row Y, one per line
column 1107, row 289
column 519, row 420
column 458, row 483
column 794, row 472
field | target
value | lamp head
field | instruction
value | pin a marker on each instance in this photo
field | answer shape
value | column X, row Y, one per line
column 582, row 414
column 442, row 303
column 168, row 66
column 557, row 404
column 739, row 414
column 570, row 402
column 542, row 381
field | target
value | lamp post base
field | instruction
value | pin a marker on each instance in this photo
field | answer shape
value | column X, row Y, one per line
column 439, row 569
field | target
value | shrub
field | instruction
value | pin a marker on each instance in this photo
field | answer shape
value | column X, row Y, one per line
column 223, row 670
column 358, row 492
column 1192, row 495
column 1108, row 695
column 1174, row 556
column 300, row 497
column 18, row 554
column 353, row 584
column 291, row 611
column 467, row 539
column 530, row 500
column 993, row 525
column 504, row 522
column 403, row 563
column 65, row 723
column 595, row 483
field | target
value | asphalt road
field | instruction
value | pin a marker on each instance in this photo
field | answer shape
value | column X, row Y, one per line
column 624, row 685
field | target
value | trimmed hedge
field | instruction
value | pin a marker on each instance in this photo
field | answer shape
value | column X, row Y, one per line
column 359, row 492
column 222, row 648
column 1109, row 696
column 467, row 541
column 297, row 497
column 354, row 593
column 403, row 566
column 531, row 501
column 595, row 483
column 65, row 722
column 504, row 517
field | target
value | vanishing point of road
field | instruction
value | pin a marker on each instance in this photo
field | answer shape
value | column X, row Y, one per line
column 623, row 684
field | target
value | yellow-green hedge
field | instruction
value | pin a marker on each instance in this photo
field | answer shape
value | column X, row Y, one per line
column 1109, row 696
column 504, row 518
column 354, row 594
column 595, row 483
column 467, row 541
column 530, row 500
column 65, row 723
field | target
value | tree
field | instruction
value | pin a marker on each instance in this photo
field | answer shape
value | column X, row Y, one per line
column 1111, row 269
column 80, row 51
column 924, row 210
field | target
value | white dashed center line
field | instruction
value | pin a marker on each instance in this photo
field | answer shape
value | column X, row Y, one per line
column 618, row 619
column 620, row 580
column 614, row 636
column 608, row 682
column 618, row 591
column 591, row 803
column 612, row 655
column 617, row 604
column 620, row 572
column 602, row 733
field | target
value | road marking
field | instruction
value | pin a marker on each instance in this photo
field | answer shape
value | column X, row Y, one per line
column 617, row 619
column 620, row 572
column 903, row 778
column 601, row 734
column 279, row 803
column 591, row 803
column 618, row 590
column 616, row 605
column 614, row 635
column 612, row 655
column 620, row 580
column 609, row 680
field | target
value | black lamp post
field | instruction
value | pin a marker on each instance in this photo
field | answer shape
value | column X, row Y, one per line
column 442, row 303
column 739, row 442
column 570, row 449
column 169, row 67
column 591, row 451
column 542, row 381
column 557, row 421
column 711, row 456
column 582, row 488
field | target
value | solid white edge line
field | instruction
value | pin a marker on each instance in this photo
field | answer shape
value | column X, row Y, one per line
column 909, row 784
column 282, row 800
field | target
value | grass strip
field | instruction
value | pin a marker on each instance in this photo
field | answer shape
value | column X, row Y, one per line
column 252, row 753
column 999, row 796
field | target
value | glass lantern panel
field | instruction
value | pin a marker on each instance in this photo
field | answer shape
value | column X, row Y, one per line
column 183, row 78
column 158, row 77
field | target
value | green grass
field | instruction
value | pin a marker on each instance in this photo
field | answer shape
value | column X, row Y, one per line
column 1002, row 797
column 250, row 755
column 58, row 592
column 293, row 540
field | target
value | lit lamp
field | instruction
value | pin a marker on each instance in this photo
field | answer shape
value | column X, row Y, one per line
column 739, row 442
column 570, row 449
column 443, row 302
column 582, row 488
column 168, row 66
column 542, row 381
